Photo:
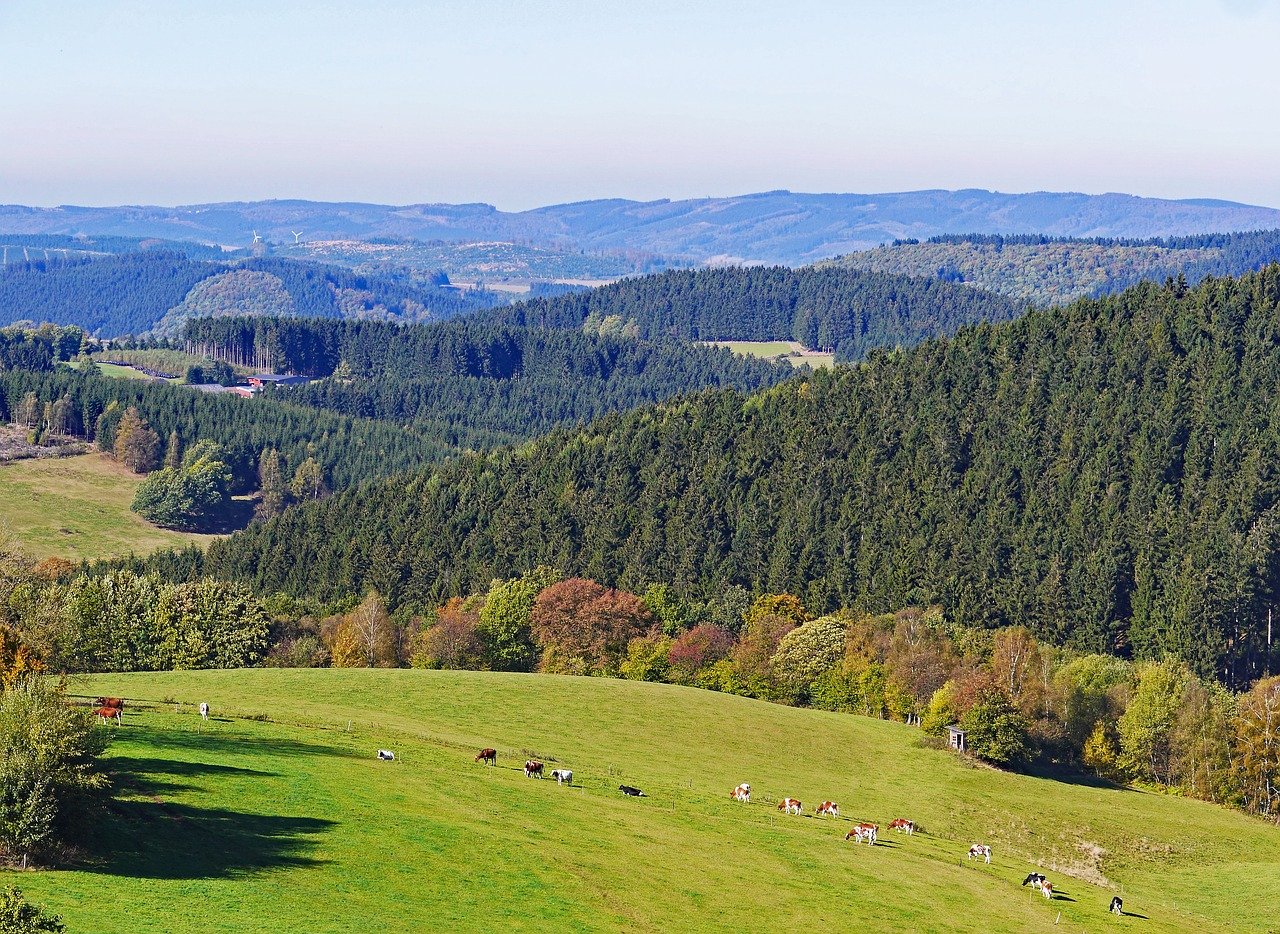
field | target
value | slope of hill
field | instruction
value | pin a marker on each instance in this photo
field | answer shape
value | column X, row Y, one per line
column 471, row 384
column 847, row 312
column 1050, row 271
column 78, row 508
column 1103, row 473
column 775, row 226
column 275, row 816
column 133, row 293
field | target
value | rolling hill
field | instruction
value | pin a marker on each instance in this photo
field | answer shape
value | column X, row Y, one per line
column 275, row 816
column 1050, row 271
column 775, row 226
column 846, row 312
column 113, row 294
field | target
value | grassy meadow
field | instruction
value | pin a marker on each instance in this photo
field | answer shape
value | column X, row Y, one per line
column 792, row 352
column 275, row 816
column 78, row 508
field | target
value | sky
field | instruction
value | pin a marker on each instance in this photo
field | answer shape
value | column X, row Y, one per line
column 521, row 104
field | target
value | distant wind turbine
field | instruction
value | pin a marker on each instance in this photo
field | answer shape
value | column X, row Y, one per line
column 296, row 235
column 256, row 238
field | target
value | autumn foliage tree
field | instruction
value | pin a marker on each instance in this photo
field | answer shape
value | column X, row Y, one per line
column 1258, row 747
column 453, row 640
column 583, row 627
column 135, row 444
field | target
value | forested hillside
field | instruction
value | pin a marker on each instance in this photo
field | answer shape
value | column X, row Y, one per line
column 849, row 312
column 157, row 290
column 1050, row 271
column 1104, row 473
column 416, row 393
column 349, row 450
column 472, row 384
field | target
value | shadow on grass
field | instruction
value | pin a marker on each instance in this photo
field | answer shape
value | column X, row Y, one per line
column 166, row 840
column 1068, row 776
column 147, row 837
column 144, row 775
column 225, row 743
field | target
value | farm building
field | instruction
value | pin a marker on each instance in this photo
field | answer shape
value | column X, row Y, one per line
column 272, row 379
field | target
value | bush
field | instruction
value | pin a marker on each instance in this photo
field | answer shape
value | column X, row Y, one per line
column 19, row 916
column 997, row 730
column 647, row 657
column 48, row 753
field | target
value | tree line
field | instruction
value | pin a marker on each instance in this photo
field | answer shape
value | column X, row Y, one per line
column 1104, row 474
column 1018, row 701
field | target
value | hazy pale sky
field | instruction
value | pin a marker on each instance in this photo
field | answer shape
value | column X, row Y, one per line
column 527, row 103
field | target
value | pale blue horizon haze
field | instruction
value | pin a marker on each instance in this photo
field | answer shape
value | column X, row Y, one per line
column 525, row 104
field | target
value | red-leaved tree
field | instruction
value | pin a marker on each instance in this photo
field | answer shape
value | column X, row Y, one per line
column 701, row 646
column 582, row 627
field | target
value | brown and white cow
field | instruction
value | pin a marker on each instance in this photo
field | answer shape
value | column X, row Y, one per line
column 980, row 851
column 532, row 769
column 1046, row 888
column 110, row 713
column 789, row 806
column 868, row 832
column 488, row 756
column 742, row 793
column 828, row 808
column 902, row 825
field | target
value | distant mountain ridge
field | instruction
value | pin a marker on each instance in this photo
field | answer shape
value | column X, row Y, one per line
column 775, row 226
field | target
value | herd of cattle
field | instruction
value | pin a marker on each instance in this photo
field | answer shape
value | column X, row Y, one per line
column 112, row 708
column 861, row 833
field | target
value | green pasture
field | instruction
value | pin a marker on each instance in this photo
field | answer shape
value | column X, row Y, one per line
column 78, row 508
column 276, row 816
column 791, row 351
column 114, row 370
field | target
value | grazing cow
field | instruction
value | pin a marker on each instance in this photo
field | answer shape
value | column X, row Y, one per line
column 113, row 703
column 109, row 713
column 1117, row 905
column 742, row 793
column 789, row 806
column 902, row 825
column 562, row 776
column 386, row 755
column 533, row 769
column 867, row 832
column 828, row 807
column 488, row 756
column 632, row 792
column 1033, row 878
column 204, row 711
column 980, row 851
